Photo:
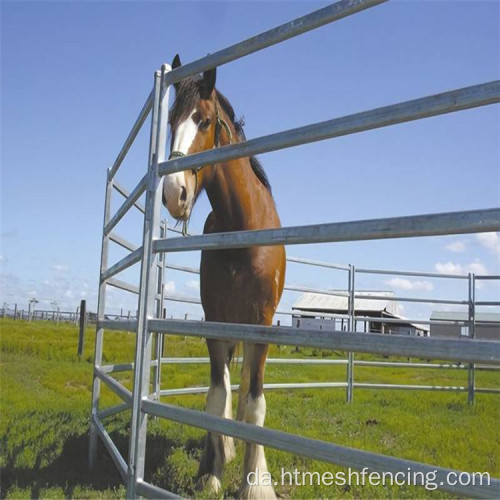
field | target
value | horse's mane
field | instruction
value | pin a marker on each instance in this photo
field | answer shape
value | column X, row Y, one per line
column 187, row 93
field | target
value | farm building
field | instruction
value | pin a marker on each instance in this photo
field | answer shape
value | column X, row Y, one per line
column 329, row 312
column 487, row 325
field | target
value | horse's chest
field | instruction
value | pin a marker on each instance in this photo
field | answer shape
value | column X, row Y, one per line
column 232, row 288
column 227, row 276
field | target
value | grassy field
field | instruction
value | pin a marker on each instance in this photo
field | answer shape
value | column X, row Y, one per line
column 45, row 400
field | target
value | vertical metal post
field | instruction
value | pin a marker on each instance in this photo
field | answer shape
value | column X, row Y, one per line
column 147, row 285
column 472, row 332
column 159, row 314
column 350, row 355
column 81, row 336
column 99, row 335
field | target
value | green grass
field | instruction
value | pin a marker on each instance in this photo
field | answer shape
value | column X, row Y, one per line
column 45, row 402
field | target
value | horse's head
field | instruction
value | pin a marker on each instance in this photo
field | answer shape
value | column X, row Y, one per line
column 194, row 118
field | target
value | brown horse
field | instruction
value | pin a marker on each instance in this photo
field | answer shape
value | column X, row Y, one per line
column 237, row 286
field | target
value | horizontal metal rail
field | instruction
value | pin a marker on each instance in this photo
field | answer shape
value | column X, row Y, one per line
column 132, row 135
column 113, row 410
column 474, row 221
column 411, row 299
column 123, row 286
column 487, row 390
column 314, row 361
column 412, row 273
column 116, row 456
column 185, row 269
column 125, row 193
column 372, row 319
column 409, row 387
column 149, row 490
column 465, row 350
column 288, row 30
column 302, row 385
column 129, row 260
column 119, row 367
column 487, row 277
column 125, row 207
column 122, row 242
column 186, row 300
column 336, row 385
column 315, row 449
column 298, row 260
column 118, row 325
column 434, row 388
column 269, row 361
column 114, row 385
column 486, row 303
column 424, row 107
column 319, row 291
column 310, row 262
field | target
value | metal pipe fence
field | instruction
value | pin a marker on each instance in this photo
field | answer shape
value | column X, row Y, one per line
column 151, row 324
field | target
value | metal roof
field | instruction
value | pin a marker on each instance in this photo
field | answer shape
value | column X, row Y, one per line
column 328, row 304
column 490, row 317
column 331, row 303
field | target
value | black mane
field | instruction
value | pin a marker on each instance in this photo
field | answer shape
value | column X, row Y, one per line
column 187, row 94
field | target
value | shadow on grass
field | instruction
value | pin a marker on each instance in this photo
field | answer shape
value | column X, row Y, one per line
column 70, row 470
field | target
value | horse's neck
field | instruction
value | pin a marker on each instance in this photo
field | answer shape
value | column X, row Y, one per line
column 237, row 196
column 239, row 199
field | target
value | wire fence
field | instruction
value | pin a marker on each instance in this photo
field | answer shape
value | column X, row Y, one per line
column 150, row 326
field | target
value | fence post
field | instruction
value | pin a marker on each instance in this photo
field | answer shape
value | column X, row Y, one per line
column 350, row 355
column 472, row 331
column 159, row 337
column 81, row 336
column 15, row 312
column 99, row 336
column 148, row 285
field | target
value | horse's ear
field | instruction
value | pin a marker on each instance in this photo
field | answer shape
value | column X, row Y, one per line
column 176, row 62
column 208, row 83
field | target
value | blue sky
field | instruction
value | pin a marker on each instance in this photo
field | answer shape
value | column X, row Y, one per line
column 74, row 76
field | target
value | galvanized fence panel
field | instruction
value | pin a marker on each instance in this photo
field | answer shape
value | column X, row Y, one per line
column 469, row 351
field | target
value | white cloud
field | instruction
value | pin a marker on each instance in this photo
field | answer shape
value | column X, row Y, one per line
column 169, row 287
column 456, row 246
column 193, row 284
column 476, row 267
column 449, row 268
column 405, row 284
column 59, row 268
column 491, row 241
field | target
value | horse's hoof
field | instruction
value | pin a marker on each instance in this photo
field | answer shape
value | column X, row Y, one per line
column 209, row 482
column 257, row 492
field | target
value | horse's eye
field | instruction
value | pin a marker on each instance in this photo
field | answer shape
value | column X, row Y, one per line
column 205, row 124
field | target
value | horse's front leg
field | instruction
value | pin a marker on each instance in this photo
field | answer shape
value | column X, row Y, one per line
column 219, row 449
column 256, row 477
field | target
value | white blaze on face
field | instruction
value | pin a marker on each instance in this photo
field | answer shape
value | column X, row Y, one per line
column 185, row 134
column 178, row 194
